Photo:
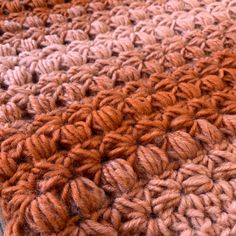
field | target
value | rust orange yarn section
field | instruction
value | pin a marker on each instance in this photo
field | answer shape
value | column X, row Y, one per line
column 153, row 157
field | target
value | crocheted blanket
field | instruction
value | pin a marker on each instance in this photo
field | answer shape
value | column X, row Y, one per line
column 118, row 117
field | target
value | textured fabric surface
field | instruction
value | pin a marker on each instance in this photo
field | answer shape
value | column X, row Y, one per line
column 118, row 117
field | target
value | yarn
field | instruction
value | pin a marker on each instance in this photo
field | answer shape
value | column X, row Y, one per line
column 53, row 53
column 117, row 117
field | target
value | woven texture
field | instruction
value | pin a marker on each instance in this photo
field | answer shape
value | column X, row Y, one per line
column 118, row 117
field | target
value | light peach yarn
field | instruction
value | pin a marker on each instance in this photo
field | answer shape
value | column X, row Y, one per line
column 118, row 117
column 53, row 54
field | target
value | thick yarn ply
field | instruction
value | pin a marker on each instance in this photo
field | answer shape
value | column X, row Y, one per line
column 118, row 117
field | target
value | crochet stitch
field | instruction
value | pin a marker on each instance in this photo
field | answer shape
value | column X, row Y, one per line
column 118, row 117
